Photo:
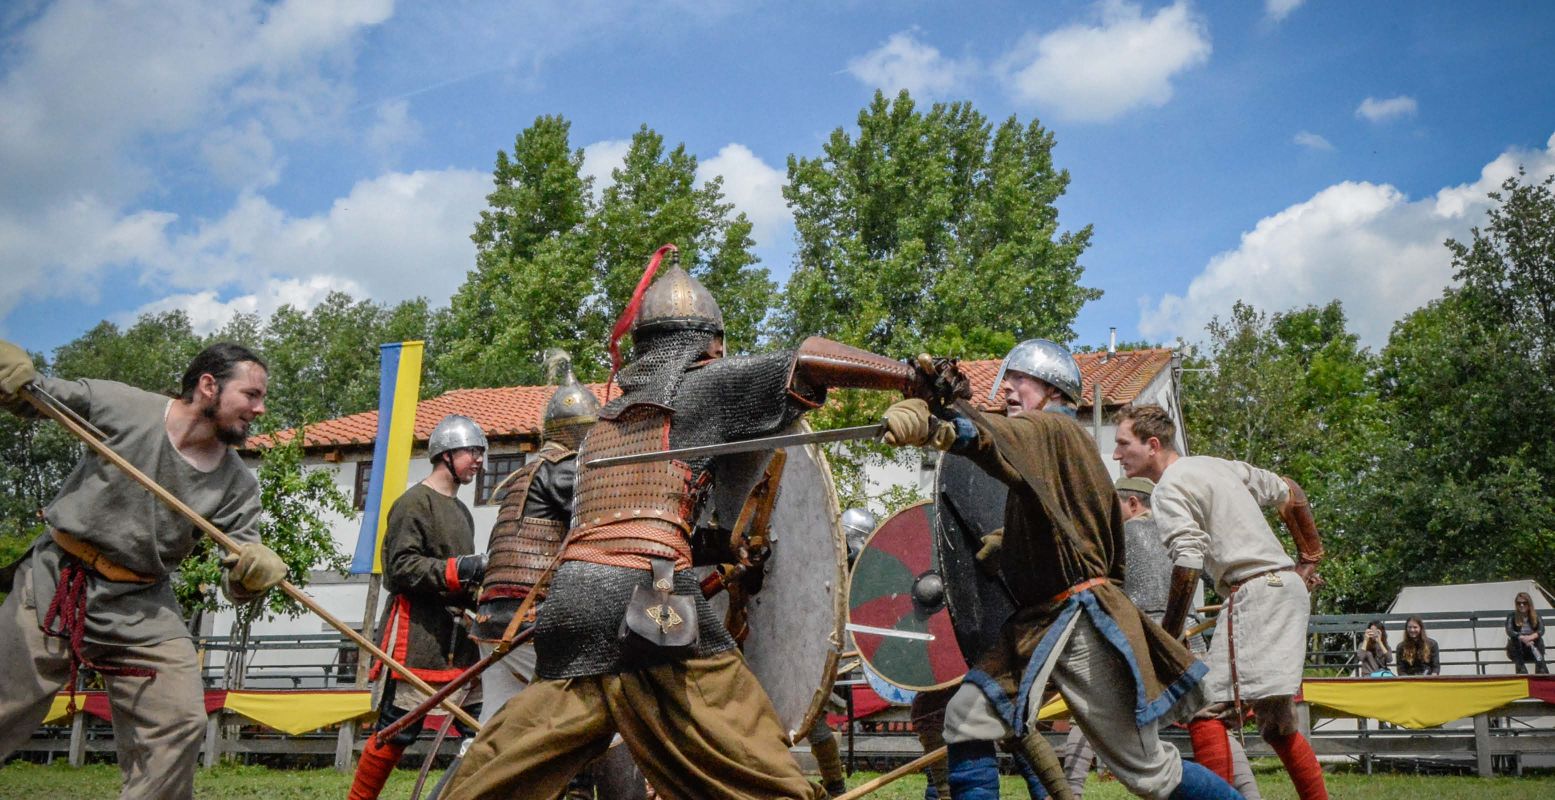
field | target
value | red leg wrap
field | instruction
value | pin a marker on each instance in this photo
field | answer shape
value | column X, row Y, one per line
column 372, row 771
column 1211, row 748
column 1299, row 760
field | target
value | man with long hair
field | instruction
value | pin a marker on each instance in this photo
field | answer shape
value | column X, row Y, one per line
column 1525, row 636
column 95, row 588
column 1418, row 654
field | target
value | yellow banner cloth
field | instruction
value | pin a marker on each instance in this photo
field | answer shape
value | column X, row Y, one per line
column 1414, row 702
column 1053, row 709
column 291, row 712
column 57, row 712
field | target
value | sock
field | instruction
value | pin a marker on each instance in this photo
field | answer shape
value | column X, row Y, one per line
column 372, row 770
column 1299, row 760
column 1199, row 783
column 1211, row 747
column 973, row 771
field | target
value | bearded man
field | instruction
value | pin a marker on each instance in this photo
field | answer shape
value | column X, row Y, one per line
column 94, row 590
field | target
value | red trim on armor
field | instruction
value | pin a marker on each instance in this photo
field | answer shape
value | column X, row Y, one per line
column 396, row 642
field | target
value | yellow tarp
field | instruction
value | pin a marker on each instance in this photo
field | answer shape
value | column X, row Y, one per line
column 1414, row 702
column 57, row 713
column 1054, row 709
column 299, row 713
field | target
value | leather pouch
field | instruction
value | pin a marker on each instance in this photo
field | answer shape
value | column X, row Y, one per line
column 658, row 622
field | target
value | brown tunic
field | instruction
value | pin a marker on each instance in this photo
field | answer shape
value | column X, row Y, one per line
column 1063, row 526
column 426, row 528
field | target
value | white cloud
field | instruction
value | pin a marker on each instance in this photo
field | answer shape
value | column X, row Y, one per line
column 753, row 187
column 396, row 236
column 1312, row 141
column 86, row 80
column 904, row 62
column 1375, row 110
column 1365, row 244
column 1278, row 10
column 242, row 157
column 1098, row 72
column 207, row 312
column 392, row 130
column 600, row 158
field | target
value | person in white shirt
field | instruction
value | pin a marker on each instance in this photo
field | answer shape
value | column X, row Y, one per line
column 1209, row 512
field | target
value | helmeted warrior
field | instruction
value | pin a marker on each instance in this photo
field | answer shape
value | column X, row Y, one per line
column 536, row 505
column 695, row 718
column 1062, row 559
column 429, row 566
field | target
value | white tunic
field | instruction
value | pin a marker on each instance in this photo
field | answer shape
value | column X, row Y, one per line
column 1209, row 512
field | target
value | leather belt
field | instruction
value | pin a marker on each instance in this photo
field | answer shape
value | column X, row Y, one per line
column 94, row 559
column 1074, row 590
column 1237, row 587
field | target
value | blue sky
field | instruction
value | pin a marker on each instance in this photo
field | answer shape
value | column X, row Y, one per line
column 236, row 156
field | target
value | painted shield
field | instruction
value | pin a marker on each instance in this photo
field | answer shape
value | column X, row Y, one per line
column 971, row 505
column 896, row 605
column 796, row 618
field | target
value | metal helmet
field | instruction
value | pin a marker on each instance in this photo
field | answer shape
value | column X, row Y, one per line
column 676, row 302
column 454, row 432
column 857, row 525
column 572, row 406
column 1047, row 361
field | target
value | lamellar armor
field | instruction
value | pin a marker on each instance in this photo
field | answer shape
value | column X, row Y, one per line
column 536, row 505
column 674, row 394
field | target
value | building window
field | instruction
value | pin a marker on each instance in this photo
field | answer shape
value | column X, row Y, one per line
column 498, row 468
column 364, row 479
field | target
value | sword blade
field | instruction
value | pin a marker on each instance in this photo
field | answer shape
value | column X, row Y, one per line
column 744, row 446
column 891, row 632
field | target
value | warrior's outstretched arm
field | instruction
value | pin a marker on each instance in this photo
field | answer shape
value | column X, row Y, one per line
column 822, row 363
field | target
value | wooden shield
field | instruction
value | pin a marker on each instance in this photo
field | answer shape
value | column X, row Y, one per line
column 796, row 619
column 971, row 505
column 891, row 589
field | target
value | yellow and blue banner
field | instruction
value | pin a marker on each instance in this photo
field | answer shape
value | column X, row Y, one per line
column 399, row 387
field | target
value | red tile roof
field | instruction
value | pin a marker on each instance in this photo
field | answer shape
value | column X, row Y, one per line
column 515, row 411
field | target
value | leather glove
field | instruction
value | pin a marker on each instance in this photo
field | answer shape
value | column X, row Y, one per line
column 992, row 544
column 16, row 369
column 255, row 567
column 909, row 424
column 466, row 572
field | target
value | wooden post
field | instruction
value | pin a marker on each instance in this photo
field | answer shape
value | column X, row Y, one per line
column 212, row 754
column 345, row 746
column 78, row 738
column 1482, row 745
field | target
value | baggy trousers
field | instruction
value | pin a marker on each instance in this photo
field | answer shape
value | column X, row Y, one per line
column 699, row 728
column 1099, row 689
column 158, row 722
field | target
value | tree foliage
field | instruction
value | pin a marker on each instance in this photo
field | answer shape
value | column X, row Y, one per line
column 554, row 268
column 927, row 232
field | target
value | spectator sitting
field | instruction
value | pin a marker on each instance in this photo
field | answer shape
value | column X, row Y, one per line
column 1525, row 636
column 1374, row 655
column 1418, row 654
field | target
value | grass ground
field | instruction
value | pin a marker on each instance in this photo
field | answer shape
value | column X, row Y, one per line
column 22, row 781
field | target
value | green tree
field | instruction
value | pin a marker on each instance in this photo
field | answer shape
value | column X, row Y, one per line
column 1461, row 489
column 324, row 362
column 150, row 354
column 533, row 268
column 927, row 232
column 553, row 268
column 1293, row 392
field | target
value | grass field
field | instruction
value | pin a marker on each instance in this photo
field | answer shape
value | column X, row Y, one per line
column 21, row 781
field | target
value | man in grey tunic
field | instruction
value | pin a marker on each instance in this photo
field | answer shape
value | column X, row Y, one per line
column 94, row 589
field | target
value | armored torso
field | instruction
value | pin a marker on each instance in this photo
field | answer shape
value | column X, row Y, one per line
column 531, row 523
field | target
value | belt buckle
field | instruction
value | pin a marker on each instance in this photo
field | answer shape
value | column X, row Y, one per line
column 1273, row 579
